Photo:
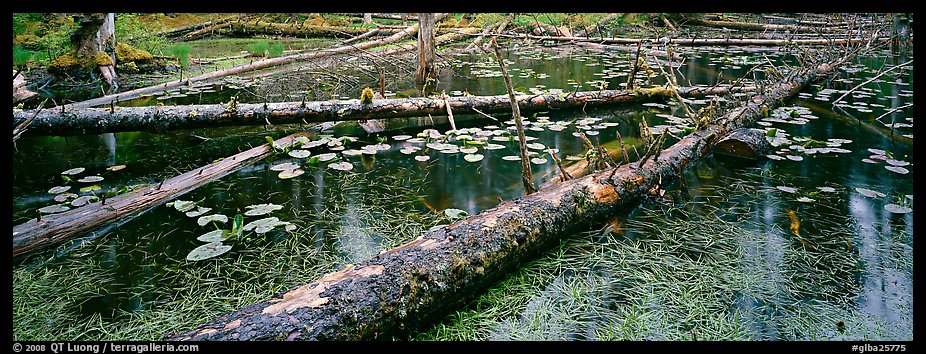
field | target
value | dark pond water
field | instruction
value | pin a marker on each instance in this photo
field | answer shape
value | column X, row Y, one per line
column 389, row 197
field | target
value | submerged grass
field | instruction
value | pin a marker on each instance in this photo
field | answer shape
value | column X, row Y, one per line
column 87, row 295
column 713, row 269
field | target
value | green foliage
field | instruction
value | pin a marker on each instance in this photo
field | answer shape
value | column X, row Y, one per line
column 366, row 97
column 182, row 53
column 131, row 30
column 21, row 56
column 259, row 48
column 275, row 50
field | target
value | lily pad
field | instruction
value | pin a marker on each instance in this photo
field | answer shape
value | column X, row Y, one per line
column 290, row 174
column 214, row 235
column 90, row 179
column 261, row 209
column 805, row 200
column 115, row 167
column 263, row 225
column 870, row 193
column 203, row 220
column 511, row 158
column 341, row 166
column 326, row 157
column 80, row 201
column 284, row 166
column 494, row 146
column 299, row 154
column 199, row 211
column 897, row 162
column 90, row 188
column 51, row 209
column 73, row 171
column 536, row 146
column 787, row 189
column 58, row 189
column 207, row 251
column 897, row 209
column 897, row 169
column 422, row 158
column 455, row 213
column 470, row 150
column 60, row 198
column 827, row 189
column 539, row 160
column 401, row 137
column 183, row 205
column 473, row 157
column 795, row 158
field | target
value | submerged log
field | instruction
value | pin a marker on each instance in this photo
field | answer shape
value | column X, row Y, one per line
column 55, row 229
column 411, row 286
column 59, row 121
column 110, row 99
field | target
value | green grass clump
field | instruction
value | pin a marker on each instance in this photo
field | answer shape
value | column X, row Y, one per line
column 275, row 50
column 21, row 56
column 258, row 49
column 182, row 53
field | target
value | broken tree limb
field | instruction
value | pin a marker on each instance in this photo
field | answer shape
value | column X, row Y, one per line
column 526, row 174
column 411, row 286
column 54, row 229
column 55, row 121
column 127, row 95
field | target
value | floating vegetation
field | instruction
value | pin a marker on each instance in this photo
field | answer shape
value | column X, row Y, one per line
column 214, row 235
column 58, row 189
column 208, row 250
column 287, row 174
column 264, row 225
column 73, row 171
column 286, row 166
column 90, row 179
column 326, row 156
column 897, row 169
column 51, row 209
column 341, row 166
column 82, row 200
column 299, row 154
column 115, row 167
column 182, row 205
column 422, row 158
column 870, row 193
column 214, row 218
column 787, row 189
column 60, row 198
column 473, row 157
column 92, row 188
column 897, row 209
column 199, row 211
column 261, row 209
column 455, row 214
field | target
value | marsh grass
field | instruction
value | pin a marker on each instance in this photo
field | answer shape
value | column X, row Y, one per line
column 123, row 286
column 714, row 267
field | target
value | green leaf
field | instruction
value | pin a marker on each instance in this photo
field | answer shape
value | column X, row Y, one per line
column 203, row 220
column 183, row 205
column 261, row 209
column 207, row 251
column 455, row 213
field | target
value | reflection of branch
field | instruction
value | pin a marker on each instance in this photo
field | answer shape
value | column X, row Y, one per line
column 892, row 110
column 870, row 80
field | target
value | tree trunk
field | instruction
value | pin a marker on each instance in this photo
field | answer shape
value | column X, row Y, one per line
column 239, row 69
column 57, row 121
column 708, row 41
column 411, row 286
column 426, row 49
column 246, row 29
column 93, row 43
column 54, row 229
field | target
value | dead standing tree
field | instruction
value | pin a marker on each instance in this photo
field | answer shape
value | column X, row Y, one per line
column 426, row 75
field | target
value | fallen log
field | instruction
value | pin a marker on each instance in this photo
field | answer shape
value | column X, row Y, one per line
column 127, row 95
column 64, row 122
column 749, row 26
column 55, row 229
column 706, row 41
column 246, row 29
column 411, row 286
column 587, row 32
column 169, row 33
column 385, row 16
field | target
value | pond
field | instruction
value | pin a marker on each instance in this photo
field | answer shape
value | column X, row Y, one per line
column 716, row 259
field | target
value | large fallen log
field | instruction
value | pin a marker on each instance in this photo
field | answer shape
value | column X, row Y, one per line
column 411, row 286
column 179, row 31
column 64, row 122
column 707, row 41
column 110, row 99
column 749, row 26
column 246, row 29
column 55, row 229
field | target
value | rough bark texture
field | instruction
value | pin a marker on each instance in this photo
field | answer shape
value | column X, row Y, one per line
column 708, row 41
column 54, row 229
column 410, row 31
column 748, row 26
column 426, row 48
column 58, row 121
column 245, row 29
column 411, row 286
column 748, row 143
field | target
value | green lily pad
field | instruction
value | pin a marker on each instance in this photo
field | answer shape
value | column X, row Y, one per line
column 786, row 189
column 511, row 158
column 80, row 201
column 494, row 146
column 207, row 251
column 326, row 156
column 199, row 211
column 870, row 193
column 115, row 167
column 261, row 209
column 263, row 225
column 539, row 160
column 61, row 198
column 183, row 205
column 805, row 200
column 827, row 189
column 422, row 158
column 284, row 166
column 215, row 235
column 73, row 171
column 473, row 157
column 470, row 150
column 897, row 169
column 58, row 189
column 203, row 220
column 51, row 209
column 455, row 213
column 290, row 174
column 352, row 152
column 299, row 154
column 341, row 166
column 401, row 137
column 90, row 188
column 897, row 209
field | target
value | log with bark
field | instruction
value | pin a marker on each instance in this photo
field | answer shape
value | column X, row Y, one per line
column 749, row 26
column 110, row 99
column 709, row 41
column 170, row 33
column 411, row 286
column 54, row 229
column 247, row 29
column 64, row 122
